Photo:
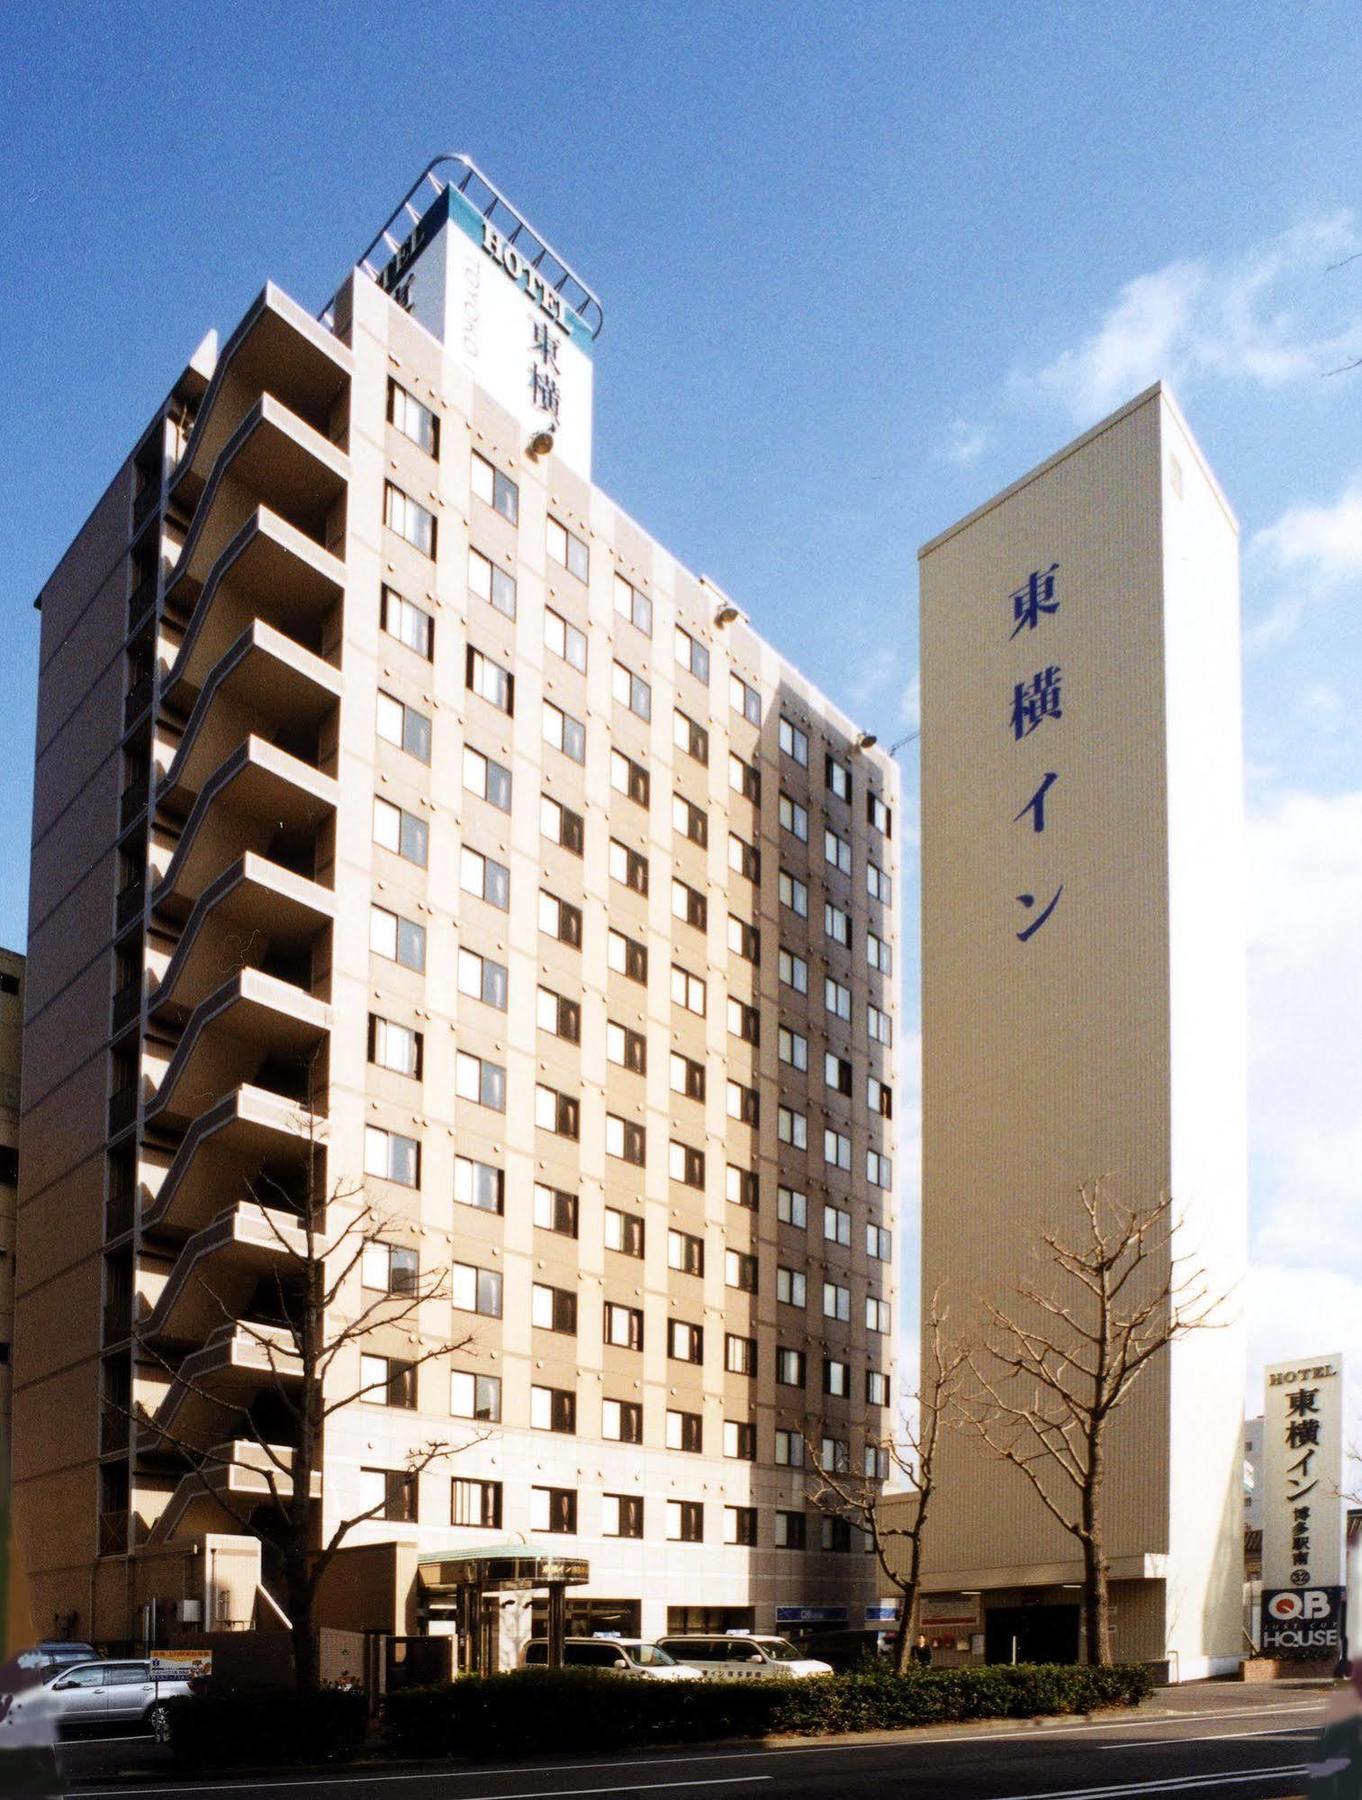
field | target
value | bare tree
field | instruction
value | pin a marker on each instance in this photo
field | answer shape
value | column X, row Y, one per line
column 321, row 1233
column 1051, row 1371
column 860, row 1499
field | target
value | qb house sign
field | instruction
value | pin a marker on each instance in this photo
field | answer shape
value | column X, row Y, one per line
column 1303, row 1508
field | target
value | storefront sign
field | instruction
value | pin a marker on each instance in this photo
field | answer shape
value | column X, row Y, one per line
column 1297, row 1619
column 811, row 1615
column 953, row 1612
column 1303, row 1476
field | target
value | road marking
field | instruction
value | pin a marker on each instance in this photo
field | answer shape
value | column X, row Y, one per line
column 1177, row 1785
column 629, row 1787
column 1219, row 1737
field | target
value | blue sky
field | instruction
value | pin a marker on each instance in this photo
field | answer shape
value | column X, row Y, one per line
column 862, row 265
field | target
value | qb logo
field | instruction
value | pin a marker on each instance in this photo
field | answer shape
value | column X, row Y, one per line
column 1313, row 1604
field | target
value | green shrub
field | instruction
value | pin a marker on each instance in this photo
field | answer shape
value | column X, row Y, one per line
column 534, row 1711
column 266, row 1726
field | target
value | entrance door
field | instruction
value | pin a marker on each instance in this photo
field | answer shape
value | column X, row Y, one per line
column 1031, row 1634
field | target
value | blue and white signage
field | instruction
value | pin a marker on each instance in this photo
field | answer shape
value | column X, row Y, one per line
column 811, row 1615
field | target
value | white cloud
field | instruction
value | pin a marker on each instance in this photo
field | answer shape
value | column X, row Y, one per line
column 967, row 442
column 1303, row 1312
column 1266, row 318
column 1309, row 551
column 877, row 671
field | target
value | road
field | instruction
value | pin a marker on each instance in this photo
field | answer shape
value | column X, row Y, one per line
column 1187, row 1744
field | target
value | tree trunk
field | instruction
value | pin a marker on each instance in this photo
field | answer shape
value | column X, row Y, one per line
column 306, row 1673
column 903, row 1637
column 1096, row 1599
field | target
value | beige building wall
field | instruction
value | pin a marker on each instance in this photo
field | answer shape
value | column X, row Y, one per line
column 1111, row 1040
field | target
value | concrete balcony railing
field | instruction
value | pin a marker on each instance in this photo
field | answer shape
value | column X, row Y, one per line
column 219, row 1269
column 122, row 1107
column 215, row 1385
column 130, row 901
column 224, row 1150
column 242, row 1471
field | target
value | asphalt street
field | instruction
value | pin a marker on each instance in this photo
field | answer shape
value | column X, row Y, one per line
column 1189, row 1742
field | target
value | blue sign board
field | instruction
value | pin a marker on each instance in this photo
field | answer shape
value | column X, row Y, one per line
column 882, row 1615
column 811, row 1615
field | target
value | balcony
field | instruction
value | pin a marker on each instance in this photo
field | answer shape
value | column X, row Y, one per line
column 219, row 1269
column 122, row 1108
column 148, row 498
column 224, row 1150
column 140, row 602
column 242, row 1470
column 118, row 1214
column 131, row 898
column 113, row 1533
column 137, row 700
column 117, row 1319
column 218, row 1384
column 127, row 1003
column 113, row 1432
column 133, row 800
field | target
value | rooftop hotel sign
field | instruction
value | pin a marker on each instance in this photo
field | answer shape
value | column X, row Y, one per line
column 1303, row 1513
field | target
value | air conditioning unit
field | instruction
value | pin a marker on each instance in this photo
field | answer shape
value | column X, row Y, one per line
column 190, row 1612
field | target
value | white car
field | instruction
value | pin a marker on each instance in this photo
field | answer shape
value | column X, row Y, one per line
column 621, row 1656
column 108, row 1696
column 744, row 1656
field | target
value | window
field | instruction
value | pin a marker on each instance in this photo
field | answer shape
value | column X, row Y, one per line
column 400, row 724
column 836, row 1378
column 497, row 490
column 875, row 1463
column 836, row 1072
column 744, row 699
column 622, row 1515
column 836, row 1225
column 794, row 743
column 684, row 1431
column 686, row 1165
column 553, row 1509
column 629, row 778
column 836, row 1302
column 490, row 582
column 553, row 1409
column 794, row 893
column 482, row 979
column 490, row 681
column 687, row 1076
column 878, row 1243
column 632, row 605
column 877, row 1314
column 490, row 781
column 560, row 825
column 560, row 1017
column 792, row 1128
column 744, row 1021
column 689, row 820
column 794, row 818
column 413, row 420
column 740, row 1439
column 740, row 1524
column 879, row 1169
column 789, row 1372
column 563, row 732
column 568, row 549
column 835, row 1534
column 743, row 939
column 481, row 1081
column 685, row 1253
column 740, row 1187
column 689, row 904
column 691, row 654
column 623, row 1326
column 794, row 971
column 789, row 1531
column 878, row 814
column 627, row 1048
column 792, row 1207
column 388, row 1494
column 877, row 884
column 688, row 990
column 555, row 1112
column 475, row 1290
column 836, row 850
column 625, row 1139
column 480, row 1185
column 401, row 832
column 685, row 1522
column 490, row 881
column 475, row 1503
column 690, row 737
column 835, row 1455
column 555, row 1210
column 837, row 924
column 877, row 1387
column 386, row 1381
column 740, row 1354
column 400, row 940
column 879, row 1026
column 789, row 1444
column 837, row 997
column 626, row 956
column 743, row 1103
column 553, row 1309
column 878, row 954
column 792, row 1288
column 559, row 919
column 622, row 1421
column 838, row 777
column 395, row 1047
column 623, row 1232
column 475, row 1397
column 409, row 519
column 391, row 1156
column 631, row 690
column 389, row 1268
column 564, row 640
column 744, row 778
column 408, row 624
column 743, row 858
column 685, row 1343
column 628, row 867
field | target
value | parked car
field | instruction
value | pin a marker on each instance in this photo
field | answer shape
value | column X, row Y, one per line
column 622, row 1656
column 101, row 1698
column 742, row 1656
column 844, row 1650
column 57, row 1653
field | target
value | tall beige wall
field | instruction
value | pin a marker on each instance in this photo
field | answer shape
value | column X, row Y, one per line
column 11, row 1044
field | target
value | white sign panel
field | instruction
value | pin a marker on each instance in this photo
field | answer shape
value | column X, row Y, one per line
column 1303, row 1473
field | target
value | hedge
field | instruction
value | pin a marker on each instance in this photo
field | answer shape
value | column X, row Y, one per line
column 534, row 1711
column 267, row 1726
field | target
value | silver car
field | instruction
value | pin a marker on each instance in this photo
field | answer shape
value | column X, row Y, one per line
column 95, row 1698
